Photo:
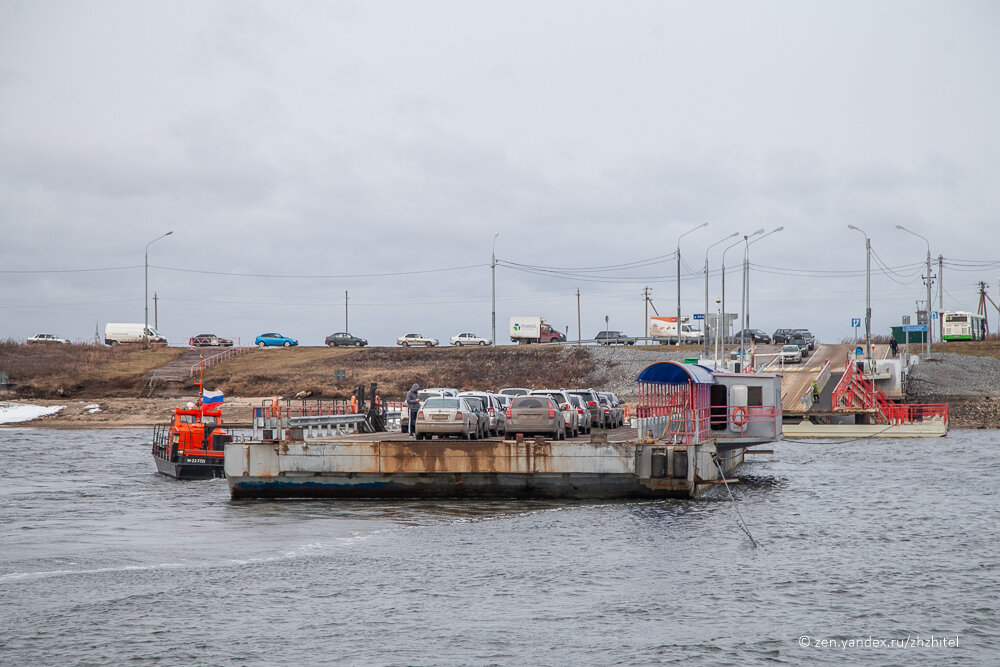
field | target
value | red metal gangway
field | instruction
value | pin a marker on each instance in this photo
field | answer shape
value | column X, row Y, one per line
column 857, row 391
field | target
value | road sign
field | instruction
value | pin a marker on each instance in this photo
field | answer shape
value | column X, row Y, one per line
column 914, row 327
column 699, row 316
column 906, row 319
column 856, row 322
column 933, row 314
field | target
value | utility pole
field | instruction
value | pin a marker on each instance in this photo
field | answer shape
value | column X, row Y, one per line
column 493, row 279
column 156, row 311
column 645, row 303
column 579, row 334
column 704, row 224
column 346, row 328
column 940, row 297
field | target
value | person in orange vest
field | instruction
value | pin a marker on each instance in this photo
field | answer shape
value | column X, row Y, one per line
column 275, row 407
column 354, row 403
column 378, row 403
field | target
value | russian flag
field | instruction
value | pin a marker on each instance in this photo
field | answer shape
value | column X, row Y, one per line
column 211, row 397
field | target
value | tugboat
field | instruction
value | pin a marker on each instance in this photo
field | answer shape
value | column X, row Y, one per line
column 193, row 445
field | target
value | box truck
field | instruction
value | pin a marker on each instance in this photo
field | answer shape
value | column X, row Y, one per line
column 524, row 330
column 116, row 333
column 665, row 329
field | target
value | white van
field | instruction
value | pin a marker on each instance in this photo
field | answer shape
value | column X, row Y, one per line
column 126, row 332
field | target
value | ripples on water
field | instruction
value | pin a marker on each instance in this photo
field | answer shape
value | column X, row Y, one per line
column 104, row 561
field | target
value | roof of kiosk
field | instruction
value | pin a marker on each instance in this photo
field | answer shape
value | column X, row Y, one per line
column 673, row 372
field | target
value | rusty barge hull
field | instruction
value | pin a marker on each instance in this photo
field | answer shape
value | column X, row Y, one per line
column 473, row 469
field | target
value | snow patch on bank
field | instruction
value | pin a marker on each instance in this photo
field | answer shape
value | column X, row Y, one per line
column 11, row 413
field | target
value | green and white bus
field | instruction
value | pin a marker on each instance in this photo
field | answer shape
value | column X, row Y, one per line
column 963, row 326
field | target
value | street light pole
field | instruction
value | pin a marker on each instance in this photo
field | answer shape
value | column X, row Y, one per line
column 746, row 237
column 717, row 324
column 704, row 224
column 868, row 296
column 928, row 280
column 493, row 271
column 146, row 323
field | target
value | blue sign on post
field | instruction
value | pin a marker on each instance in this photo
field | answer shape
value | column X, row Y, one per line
column 933, row 314
column 699, row 316
column 856, row 322
column 914, row 327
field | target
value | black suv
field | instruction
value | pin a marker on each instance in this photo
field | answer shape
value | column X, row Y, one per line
column 613, row 338
column 782, row 336
column 809, row 338
column 802, row 343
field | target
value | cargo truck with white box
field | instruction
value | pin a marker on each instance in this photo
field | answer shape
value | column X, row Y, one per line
column 524, row 330
column 665, row 330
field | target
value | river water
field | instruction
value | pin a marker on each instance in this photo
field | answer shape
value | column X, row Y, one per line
column 874, row 551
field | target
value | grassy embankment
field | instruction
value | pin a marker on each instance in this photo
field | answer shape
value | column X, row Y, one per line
column 86, row 371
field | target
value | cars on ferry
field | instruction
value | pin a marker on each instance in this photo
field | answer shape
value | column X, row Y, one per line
column 469, row 338
column 535, row 414
column 615, row 411
column 274, row 339
column 493, row 408
column 566, row 407
column 416, row 339
column 447, row 415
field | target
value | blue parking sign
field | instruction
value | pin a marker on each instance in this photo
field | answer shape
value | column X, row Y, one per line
column 856, row 322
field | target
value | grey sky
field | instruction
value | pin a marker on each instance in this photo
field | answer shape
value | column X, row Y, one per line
column 348, row 139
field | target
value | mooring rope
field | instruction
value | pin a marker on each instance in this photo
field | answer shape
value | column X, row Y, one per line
column 740, row 521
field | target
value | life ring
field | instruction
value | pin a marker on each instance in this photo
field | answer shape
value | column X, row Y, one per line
column 739, row 416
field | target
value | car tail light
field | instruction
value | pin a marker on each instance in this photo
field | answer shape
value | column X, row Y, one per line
column 579, row 411
column 493, row 412
column 552, row 412
column 458, row 415
column 508, row 413
column 420, row 415
column 591, row 403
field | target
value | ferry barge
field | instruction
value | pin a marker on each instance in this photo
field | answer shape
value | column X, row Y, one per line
column 693, row 428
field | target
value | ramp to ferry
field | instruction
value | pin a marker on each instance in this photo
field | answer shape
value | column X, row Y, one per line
column 796, row 382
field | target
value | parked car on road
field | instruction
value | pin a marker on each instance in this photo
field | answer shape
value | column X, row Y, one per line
column 790, row 354
column 274, row 340
column 47, row 338
column 781, row 336
column 535, row 414
column 423, row 395
column 802, row 343
column 470, row 339
column 344, row 339
column 807, row 336
column 613, row 338
column 443, row 416
column 209, row 340
column 752, row 336
column 566, row 407
column 417, row 339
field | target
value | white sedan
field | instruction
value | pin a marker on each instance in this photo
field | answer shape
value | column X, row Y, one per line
column 47, row 338
column 469, row 339
column 416, row 339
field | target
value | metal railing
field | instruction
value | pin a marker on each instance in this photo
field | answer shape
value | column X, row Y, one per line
column 229, row 353
column 856, row 391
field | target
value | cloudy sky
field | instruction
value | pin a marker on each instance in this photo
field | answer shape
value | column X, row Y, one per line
column 301, row 150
